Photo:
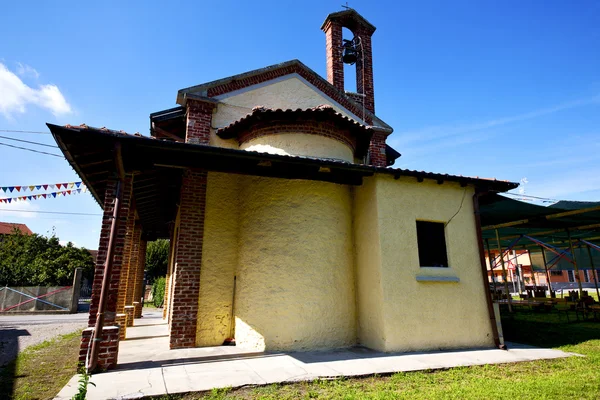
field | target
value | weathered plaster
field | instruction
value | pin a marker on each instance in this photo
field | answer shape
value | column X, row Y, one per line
column 295, row 286
column 300, row 145
column 219, row 260
column 369, row 291
column 429, row 315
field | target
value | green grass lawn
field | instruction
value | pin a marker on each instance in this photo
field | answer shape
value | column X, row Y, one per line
column 570, row 378
column 40, row 371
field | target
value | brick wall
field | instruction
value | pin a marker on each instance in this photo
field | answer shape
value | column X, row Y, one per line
column 134, row 264
column 188, row 259
column 377, row 155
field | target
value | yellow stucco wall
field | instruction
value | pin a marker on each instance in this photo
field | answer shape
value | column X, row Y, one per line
column 429, row 315
column 300, row 145
column 288, row 92
column 219, row 259
column 369, row 290
column 295, row 285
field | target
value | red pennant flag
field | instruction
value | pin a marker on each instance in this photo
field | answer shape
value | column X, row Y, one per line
column 58, row 185
column 68, row 192
column 18, row 188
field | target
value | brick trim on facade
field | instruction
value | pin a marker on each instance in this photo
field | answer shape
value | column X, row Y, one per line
column 333, row 46
column 316, row 81
column 188, row 260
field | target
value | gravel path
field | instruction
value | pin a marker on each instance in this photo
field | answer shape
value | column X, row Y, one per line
column 19, row 332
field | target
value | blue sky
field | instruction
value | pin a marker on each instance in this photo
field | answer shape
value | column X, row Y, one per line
column 492, row 89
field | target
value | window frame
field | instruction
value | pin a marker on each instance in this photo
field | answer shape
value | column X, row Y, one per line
column 571, row 273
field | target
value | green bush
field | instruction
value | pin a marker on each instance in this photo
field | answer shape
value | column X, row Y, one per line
column 157, row 257
column 36, row 260
column 158, row 291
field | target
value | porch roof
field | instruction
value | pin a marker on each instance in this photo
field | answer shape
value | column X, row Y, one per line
column 158, row 166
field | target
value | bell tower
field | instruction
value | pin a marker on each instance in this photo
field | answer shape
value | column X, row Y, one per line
column 356, row 50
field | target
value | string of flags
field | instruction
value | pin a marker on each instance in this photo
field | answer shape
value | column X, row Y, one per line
column 32, row 188
column 72, row 189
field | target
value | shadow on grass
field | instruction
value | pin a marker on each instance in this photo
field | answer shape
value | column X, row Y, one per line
column 547, row 329
column 9, row 349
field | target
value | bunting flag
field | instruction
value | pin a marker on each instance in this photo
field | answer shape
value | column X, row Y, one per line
column 82, row 189
column 46, row 186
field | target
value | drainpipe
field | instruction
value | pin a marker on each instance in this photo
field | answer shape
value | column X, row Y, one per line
column 486, row 284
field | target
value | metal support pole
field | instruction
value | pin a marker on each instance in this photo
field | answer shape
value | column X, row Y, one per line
column 532, row 271
column 487, row 245
column 577, row 278
column 504, row 275
column 547, row 272
column 594, row 271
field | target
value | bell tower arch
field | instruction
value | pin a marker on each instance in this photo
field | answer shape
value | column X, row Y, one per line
column 357, row 49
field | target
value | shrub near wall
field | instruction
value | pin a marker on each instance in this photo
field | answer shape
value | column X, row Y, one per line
column 158, row 291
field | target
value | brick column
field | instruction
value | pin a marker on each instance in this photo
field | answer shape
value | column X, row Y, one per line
column 188, row 259
column 364, row 71
column 113, row 288
column 134, row 262
column 127, row 262
column 109, row 347
column 139, row 279
column 169, row 272
column 199, row 117
column 377, row 155
column 333, row 47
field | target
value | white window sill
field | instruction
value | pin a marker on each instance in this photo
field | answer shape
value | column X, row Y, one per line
column 437, row 274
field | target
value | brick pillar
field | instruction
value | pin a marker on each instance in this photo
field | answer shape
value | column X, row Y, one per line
column 364, row 69
column 188, row 259
column 129, row 315
column 199, row 117
column 377, row 155
column 127, row 261
column 139, row 280
column 109, row 347
column 121, row 322
column 134, row 261
column 113, row 287
column 333, row 47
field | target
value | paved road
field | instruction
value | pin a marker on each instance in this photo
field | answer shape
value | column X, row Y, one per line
column 18, row 332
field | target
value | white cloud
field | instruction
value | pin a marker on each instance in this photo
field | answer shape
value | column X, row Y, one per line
column 16, row 96
column 27, row 71
column 9, row 210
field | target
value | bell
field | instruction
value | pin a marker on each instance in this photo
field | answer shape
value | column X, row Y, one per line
column 350, row 54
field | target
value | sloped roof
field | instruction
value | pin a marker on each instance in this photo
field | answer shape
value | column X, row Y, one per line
column 246, row 79
column 7, row 228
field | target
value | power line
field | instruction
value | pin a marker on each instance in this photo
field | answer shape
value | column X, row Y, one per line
column 533, row 197
column 35, row 151
column 51, row 212
column 30, row 142
column 11, row 131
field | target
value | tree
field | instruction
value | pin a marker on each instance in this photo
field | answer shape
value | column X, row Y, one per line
column 36, row 260
column 157, row 258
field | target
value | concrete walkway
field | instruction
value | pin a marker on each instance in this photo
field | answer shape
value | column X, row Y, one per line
column 146, row 366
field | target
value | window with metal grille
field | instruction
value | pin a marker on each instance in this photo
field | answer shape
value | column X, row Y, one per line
column 586, row 275
column 431, row 240
column 571, row 276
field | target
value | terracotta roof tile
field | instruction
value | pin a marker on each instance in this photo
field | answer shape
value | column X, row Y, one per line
column 7, row 228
